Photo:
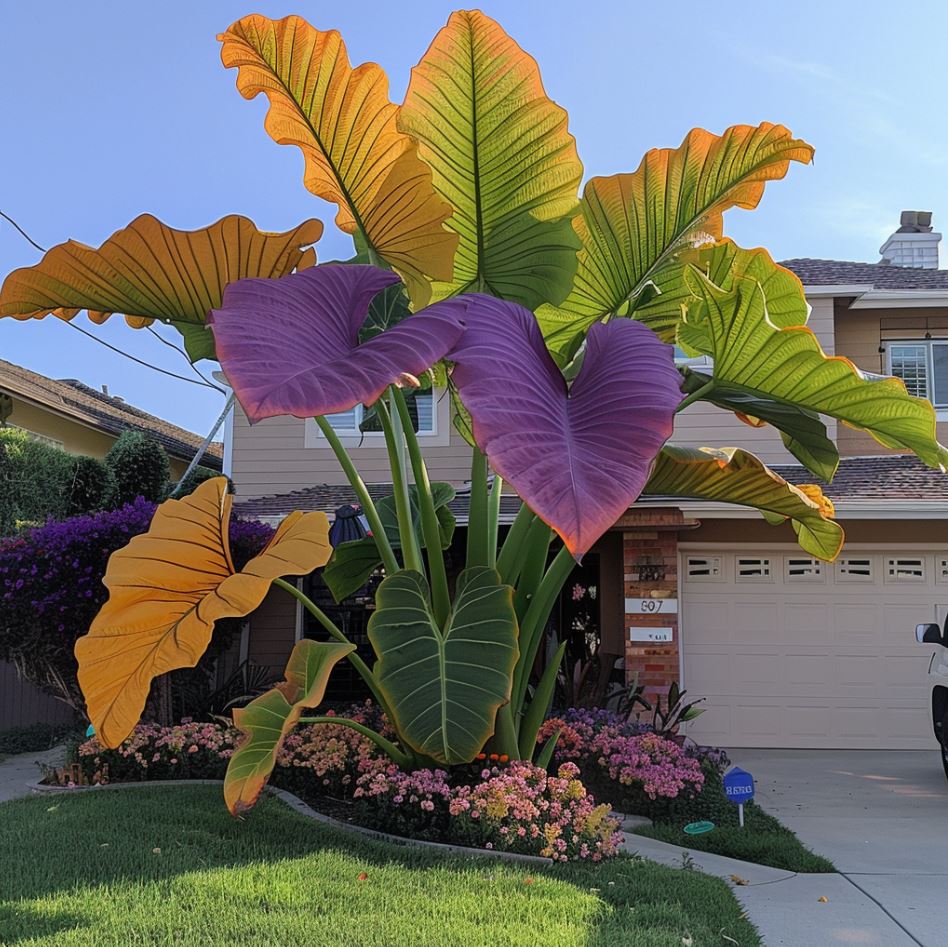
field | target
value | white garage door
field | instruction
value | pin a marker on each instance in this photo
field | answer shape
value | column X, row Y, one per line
column 793, row 652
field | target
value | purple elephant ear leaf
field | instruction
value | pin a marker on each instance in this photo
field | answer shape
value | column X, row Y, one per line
column 291, row 345
column 579, row 457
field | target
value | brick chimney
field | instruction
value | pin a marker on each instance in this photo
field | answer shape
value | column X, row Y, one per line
column 914, row 244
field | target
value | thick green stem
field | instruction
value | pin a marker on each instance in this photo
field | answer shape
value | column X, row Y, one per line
column 364, row 671
column 386, row 746
column 395, row 443
column 705, row 389
column 477, row 512
column 440, row 598
column 534, row 622
column 510, row 560
column 361, row 491
column 536, row 548
column 493, row 518
column 505, row 733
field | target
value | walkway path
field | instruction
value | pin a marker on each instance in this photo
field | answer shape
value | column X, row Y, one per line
column 16, row 772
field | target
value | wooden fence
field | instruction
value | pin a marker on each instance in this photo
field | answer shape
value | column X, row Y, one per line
column 22, row 704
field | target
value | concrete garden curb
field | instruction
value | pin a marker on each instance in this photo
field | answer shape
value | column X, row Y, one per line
column 297, row 804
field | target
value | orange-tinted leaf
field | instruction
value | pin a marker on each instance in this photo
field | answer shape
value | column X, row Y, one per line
column 167, row 587
column 267, row 719
column 150, row 271
column 343, row 122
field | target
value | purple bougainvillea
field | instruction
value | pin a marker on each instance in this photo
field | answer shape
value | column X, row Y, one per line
column 51, row 587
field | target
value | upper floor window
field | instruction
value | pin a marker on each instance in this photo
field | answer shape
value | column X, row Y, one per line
column 923, row 366
column 700, row 362
column 353, row 423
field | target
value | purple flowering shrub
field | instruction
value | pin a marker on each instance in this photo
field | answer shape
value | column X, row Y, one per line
column 630, row 765
column 51, row 589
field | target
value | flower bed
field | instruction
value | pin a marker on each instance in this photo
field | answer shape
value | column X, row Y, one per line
column 495, row 804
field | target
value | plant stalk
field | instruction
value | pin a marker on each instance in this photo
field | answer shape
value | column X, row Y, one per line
column 361, row 491
column 440, row 598
column 477, row 512
column 705, row 389
column 395, row 443
column 509, row 561
column 386, row 746
column 493, row 519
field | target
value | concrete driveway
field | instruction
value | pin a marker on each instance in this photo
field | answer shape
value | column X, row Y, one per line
column 880, row 816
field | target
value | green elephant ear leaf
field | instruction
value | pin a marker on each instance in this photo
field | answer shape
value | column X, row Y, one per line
column 354, row 562
column 802, row 431
column 501, row 156
column 788, row 364
column 732, row 475
column 724, row 263
column 445, row 685
column 267, row 719
column 633, row 225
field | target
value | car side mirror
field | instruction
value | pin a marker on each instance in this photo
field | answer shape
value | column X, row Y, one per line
column 928, row 634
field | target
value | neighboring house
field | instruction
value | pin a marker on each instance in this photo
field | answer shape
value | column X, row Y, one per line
column 82, row 420
column 68, row 414
column 788, row 650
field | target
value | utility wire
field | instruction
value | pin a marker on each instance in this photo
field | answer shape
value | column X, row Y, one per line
column 204, row 381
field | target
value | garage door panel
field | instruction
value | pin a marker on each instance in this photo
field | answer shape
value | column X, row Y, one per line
column 825, row 661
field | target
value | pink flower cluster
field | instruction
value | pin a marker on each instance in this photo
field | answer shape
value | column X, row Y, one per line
column 657, row 765
column 518, row 807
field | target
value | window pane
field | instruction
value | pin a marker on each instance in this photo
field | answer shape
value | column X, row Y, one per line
column 345, row 422
column 424, row 402
column 940, row 373
column 910, row 363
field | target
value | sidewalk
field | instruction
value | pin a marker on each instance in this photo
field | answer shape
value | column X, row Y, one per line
column 785, row 906
column 20, row 770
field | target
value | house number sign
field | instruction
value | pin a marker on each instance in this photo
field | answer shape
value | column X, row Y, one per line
column 643, row 633
column 651, row 606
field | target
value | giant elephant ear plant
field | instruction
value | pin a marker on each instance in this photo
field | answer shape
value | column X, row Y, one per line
column 549, row 316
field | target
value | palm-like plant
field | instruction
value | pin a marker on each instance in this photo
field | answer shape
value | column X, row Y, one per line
column 549, row 316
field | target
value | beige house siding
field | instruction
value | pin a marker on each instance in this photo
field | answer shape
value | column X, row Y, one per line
column 859, row 335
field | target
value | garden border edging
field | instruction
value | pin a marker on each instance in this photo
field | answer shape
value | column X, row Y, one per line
column 297, row 804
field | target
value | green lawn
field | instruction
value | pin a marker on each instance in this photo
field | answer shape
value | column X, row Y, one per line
column 763, row 839
column 170, row 866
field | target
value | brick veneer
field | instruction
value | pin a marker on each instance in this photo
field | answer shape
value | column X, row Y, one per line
column 650, row 538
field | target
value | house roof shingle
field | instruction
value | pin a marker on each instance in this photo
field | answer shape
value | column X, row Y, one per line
column 101, row 411
column 886, row 477
column 878, row 275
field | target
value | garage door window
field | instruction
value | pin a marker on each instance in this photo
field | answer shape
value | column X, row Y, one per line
column 799, row 569
column 905, row 570
column 704, row 568
column 754, row 570
column 853, row 570
column 943, row 570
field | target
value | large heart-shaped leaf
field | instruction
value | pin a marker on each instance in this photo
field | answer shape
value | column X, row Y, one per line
column 731, row 475
column 352, row 563
column 267, row 719
column 788, row 364
column 632, row 225
column 578, row 457
column 167, row 587
column 445, row 685
column 345, row 125
column 150, row 271
column 291, row 345
column 501, row 155
column 723, row 263
column 802, row 431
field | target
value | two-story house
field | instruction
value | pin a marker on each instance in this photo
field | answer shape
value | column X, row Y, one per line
column 789, row 651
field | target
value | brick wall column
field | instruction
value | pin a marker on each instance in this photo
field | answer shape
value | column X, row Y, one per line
column 650, row 564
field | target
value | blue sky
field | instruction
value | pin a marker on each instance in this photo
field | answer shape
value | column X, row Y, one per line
column 114, row 108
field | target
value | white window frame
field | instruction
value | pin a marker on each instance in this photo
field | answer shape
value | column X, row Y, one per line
column 843, row 573
column 928, row 345
column 811, row 570
column 765, row 565
column 714, row 564
column 438, row 436
column 901, row 569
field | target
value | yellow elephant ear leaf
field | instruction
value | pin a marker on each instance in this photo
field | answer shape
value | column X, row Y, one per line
column 150, row 271
column 167, row 587
column 502, row 156
column 267, row 719
column 343, row 122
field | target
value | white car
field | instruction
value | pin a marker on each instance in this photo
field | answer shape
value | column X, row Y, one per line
column 938, row 670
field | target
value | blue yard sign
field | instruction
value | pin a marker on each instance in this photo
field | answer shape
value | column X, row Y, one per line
column 739, row 788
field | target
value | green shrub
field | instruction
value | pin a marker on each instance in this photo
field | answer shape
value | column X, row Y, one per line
column 33, row 481
column 36, row 737
column 92, row 487
column 194, row 480
column 140, row 466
